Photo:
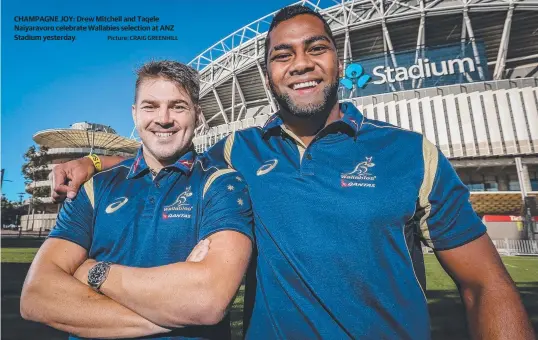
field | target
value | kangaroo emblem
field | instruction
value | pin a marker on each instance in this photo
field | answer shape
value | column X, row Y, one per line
column 182, row 198
column 362, row 167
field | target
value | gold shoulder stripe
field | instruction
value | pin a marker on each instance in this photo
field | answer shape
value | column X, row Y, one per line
column 88, row 186
column 213, row 177
column 228, row 148
column 431, row 159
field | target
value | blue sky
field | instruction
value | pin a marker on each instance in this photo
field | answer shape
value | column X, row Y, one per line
column 54, row 84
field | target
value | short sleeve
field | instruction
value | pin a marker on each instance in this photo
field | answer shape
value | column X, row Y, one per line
column 447, row 218
column 75, row 219
column 226, row 205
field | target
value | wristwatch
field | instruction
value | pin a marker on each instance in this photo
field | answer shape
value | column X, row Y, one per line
column 98, row 274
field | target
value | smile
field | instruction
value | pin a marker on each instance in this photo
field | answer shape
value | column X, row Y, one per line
column 306, row 84
column 164, row 134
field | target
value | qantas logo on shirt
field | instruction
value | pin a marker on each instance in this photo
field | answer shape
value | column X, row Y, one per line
column 360, row 176
column 180, row 208
column 267, row 167
column 118, row 203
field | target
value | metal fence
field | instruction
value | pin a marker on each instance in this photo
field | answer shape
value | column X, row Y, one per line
column 516, row 247
column 24, row 234
column 508, row 247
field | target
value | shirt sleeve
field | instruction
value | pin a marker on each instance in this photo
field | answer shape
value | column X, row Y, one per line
column 447, row 218
column 75, row 219
column 226, row 205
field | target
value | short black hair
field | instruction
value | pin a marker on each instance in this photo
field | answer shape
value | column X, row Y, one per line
column 290, row 12
column 179, row 73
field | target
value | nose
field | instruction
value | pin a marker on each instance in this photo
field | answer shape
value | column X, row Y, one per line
column 302, row 63
column 164, row 117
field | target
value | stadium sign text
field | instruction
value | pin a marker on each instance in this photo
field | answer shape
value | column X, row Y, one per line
column 412, row 69
column 422, row 69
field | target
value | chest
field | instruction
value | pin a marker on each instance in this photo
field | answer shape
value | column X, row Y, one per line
column 336, row 188
column 145, row 223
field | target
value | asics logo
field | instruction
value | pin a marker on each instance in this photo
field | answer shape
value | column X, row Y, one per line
column 118, row 203
column 267, row 167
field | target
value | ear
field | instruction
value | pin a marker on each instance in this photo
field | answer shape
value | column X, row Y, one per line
column 340, row 69
column 267, row 80
column 198, row 116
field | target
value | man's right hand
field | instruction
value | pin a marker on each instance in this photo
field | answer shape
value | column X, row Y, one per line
column 68, row 177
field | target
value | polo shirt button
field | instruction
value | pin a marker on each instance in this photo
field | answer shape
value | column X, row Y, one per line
column 157, row 184
column 309, row 156
column 151, row 200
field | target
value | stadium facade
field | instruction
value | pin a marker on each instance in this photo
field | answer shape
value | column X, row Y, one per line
column 64, row 145
column 463, row 73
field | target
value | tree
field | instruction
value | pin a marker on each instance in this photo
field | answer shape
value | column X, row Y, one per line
column 10, row 211
column 36, row 163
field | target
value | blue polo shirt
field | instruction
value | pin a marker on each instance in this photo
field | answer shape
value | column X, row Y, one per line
column 338, row 226
column 124, row 216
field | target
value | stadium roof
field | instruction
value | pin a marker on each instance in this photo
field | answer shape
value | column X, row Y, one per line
column 500, row 202
column 71, row 138
column 232, row 83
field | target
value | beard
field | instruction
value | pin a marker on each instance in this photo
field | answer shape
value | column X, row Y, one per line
column 330, row 98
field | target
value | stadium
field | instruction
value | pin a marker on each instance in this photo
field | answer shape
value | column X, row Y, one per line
column 64, row 145
column 463, row 73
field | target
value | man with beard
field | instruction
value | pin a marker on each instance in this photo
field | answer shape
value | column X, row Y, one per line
column 341, row 203
column 128, row 233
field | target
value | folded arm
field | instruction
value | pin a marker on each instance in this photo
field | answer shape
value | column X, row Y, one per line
column 185, row 293
column 51, row 295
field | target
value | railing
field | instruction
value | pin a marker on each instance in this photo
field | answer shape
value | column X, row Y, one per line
column 85, row 151
column 205, row 141
column 19, row 233
column 508, row 247
column 516, row 247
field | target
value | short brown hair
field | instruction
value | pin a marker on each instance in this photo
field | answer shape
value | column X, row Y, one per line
column 181, row 74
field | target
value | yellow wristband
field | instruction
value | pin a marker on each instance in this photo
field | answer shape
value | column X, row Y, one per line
column 96, row 162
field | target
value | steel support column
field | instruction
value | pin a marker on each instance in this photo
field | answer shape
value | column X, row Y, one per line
column 220, row 105
column 470, row 34
column 503, row 46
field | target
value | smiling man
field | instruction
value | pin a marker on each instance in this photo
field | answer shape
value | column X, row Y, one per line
column 341, row 204
column 137, row 222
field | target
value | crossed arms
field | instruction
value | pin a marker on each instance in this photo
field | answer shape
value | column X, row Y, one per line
column 139, row 301
column 136, row 301
column 493, row 306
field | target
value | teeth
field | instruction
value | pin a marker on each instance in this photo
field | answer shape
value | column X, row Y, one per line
column 305, row 84
column 162, row 134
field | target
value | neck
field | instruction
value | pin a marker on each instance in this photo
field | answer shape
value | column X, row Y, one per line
column 157, row 164
column 307, row 128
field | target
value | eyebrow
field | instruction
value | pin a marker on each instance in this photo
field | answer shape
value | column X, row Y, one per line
column 282, row 47
column 307, row 41
column 154, row 102
column 316, row 38
column 180, row 101
column 148, row 101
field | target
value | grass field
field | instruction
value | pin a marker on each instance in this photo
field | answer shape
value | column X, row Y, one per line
column 18, row 255
column 446, row 309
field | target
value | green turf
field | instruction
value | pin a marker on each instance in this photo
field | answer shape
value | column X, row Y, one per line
column 18, row 255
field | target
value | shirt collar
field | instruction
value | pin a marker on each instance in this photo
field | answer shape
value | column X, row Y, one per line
column 351, row 116
column 185, row 163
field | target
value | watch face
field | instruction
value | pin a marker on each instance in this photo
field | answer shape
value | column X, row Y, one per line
column 97, row 274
